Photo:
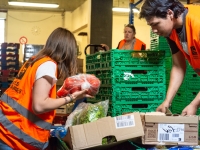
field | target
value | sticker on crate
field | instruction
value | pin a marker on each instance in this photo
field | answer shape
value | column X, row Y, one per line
column 171, row 132
column 128, row 75
column 124, row 121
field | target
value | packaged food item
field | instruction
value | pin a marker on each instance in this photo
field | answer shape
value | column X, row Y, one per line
column 80, row 82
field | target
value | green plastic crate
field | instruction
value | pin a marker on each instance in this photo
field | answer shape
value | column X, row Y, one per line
column 115, row 110
column 125, row 58
column 132, row 94
column 135, row 76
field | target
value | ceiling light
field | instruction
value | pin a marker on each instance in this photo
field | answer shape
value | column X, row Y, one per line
column 33, row 4
column 117, row 9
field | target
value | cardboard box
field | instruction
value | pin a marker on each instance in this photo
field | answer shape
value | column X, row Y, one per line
column 161, row 129
column 90, row 134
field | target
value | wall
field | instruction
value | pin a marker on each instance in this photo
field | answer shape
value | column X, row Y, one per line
column 142, row 30
column 35, row 26
column 68, row 20
column 80, row 17
column 79, row 23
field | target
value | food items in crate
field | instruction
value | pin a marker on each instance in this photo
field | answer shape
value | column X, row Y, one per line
column 78, row 83
column 87, row 112
column 92, row 112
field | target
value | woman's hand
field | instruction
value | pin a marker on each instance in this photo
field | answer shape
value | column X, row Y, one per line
column 189, row 110
column 106, row 46
column 80, row 94
column 163, row 106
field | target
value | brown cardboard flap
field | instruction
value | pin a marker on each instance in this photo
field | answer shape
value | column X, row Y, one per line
column 127, row 133
column 171, row 119
column 191, row 124
column 78, row 136
column 168, row 112
column 155, row 113
column 91, row 134
column 105, row 127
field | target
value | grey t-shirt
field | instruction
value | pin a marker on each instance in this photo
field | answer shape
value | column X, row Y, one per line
column 182, row 37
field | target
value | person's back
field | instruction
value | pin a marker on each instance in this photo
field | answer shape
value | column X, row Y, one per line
column 27, row 107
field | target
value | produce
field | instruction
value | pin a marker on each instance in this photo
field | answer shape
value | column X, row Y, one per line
column 87, row 112
column 80, row 82
column 91, row 113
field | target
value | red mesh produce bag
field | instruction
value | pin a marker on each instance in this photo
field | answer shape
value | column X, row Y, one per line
column 78, row 83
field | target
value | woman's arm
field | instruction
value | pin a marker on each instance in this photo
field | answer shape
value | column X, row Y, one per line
column 41, row 102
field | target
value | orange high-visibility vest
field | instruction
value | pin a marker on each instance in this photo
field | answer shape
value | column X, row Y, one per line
column 193, row 37
column 138, row 45
column 20, row 127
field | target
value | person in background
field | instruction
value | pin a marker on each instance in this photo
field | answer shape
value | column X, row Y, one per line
column 130, row 42
column 27, row 107
column 181, row 26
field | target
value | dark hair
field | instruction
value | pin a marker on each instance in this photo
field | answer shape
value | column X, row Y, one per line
column 158, row 8
column 132, row 27
column 61, row 46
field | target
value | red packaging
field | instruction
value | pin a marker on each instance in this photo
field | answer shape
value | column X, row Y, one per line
column 78, row 83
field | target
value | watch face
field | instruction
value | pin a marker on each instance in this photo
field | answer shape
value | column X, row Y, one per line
column 35, row 30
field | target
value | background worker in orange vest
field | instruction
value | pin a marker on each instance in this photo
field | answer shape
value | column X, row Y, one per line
column 130, row 42
column 181, row 26
column 27, row 107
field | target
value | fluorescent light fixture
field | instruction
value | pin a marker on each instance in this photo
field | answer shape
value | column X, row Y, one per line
column 121, row 9
column 117, row 9
column 33, row 4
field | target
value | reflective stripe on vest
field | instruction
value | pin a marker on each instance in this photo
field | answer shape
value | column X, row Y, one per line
column 26, row 113
column 19, row 133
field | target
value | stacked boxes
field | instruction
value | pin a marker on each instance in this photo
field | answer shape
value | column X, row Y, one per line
column 9, row 64
column 9, row 56
column 131, row 80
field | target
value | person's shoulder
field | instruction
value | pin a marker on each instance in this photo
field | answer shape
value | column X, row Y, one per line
column 123, row 40
column 192, row 10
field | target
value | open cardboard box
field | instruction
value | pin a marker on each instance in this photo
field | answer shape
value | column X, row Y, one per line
column 169, row 129
column 90, row 135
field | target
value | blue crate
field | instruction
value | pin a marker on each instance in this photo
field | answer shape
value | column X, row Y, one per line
column 9, row 51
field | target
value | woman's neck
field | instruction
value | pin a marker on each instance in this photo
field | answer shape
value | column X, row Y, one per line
column 130, row 41
column 179, row 22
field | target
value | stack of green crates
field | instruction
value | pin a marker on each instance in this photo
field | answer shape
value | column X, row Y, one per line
column 158, row 43
column 131, row 80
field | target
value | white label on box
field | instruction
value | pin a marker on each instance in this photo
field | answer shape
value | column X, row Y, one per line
column 124, row 121
column 171, row 132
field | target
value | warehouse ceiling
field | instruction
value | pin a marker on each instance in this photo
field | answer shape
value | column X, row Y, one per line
column 66, row 5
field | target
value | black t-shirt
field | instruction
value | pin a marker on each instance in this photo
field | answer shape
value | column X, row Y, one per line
column 174, row 48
